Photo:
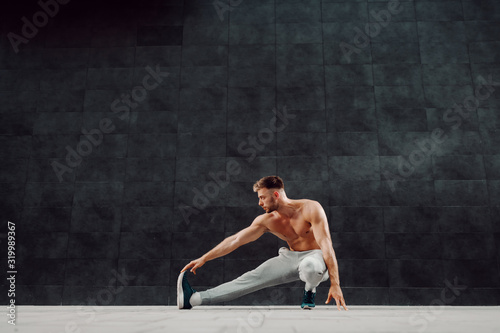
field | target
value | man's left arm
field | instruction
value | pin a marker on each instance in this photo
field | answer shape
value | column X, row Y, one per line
column 315, row 214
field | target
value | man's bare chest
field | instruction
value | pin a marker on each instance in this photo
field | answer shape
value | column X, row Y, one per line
column 291, row 229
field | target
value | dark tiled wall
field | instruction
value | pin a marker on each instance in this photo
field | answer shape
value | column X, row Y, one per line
column 408, row 176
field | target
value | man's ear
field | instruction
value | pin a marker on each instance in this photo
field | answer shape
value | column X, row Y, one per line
column 276, row 194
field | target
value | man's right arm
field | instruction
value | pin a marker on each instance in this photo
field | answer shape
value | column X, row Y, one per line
column 231, row 243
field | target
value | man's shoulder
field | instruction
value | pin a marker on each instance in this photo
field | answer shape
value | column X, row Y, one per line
column 265, row 218
column 310, row 208
column 308, row 203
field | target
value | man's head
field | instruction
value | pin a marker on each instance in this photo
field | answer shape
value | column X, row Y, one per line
column 270, row 190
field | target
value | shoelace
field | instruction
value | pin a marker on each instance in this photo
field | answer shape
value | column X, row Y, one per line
column 309, row 297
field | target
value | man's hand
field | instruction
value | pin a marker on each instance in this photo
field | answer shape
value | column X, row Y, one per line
column 336, row 294
column 195, row 264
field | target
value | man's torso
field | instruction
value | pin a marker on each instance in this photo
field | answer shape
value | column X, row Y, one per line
column 296, row 230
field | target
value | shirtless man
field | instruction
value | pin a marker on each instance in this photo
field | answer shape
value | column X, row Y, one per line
column 311, row 258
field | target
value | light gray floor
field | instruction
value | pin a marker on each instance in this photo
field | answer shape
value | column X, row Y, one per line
column 247, row 319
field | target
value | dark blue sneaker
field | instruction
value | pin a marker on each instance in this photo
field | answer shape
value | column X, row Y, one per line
column 184, row 292
column 308, row 300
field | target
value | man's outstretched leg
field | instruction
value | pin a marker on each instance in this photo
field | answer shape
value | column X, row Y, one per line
column 312, row 270
column 278, row 270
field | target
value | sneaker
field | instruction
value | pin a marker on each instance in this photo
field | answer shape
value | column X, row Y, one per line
column 184, row 292
column 308, row 300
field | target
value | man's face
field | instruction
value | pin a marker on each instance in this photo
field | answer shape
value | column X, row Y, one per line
column 267, row 200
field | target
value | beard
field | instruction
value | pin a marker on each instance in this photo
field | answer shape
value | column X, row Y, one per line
column 271, row 209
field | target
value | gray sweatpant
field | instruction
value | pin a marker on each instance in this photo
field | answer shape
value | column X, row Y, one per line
column 288, row 266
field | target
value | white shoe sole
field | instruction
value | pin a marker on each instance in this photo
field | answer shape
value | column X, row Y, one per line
column 180, row 292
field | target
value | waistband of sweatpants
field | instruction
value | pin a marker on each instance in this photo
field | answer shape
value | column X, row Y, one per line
column 288, row 251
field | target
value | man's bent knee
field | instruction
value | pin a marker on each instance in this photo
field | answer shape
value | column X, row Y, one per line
column 311, row 270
